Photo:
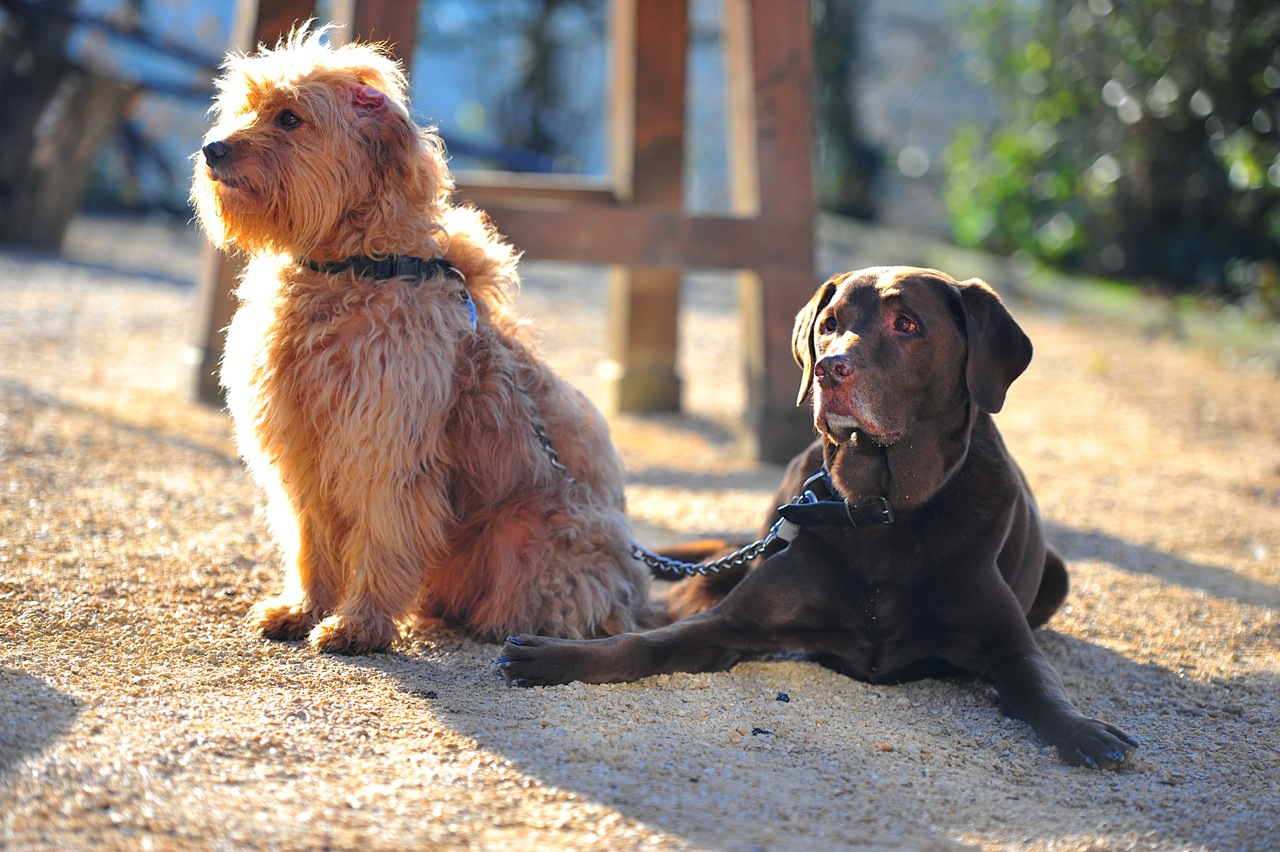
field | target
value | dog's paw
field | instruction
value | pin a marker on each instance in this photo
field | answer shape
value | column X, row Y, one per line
column 1096, row 744
column 276, row 618
column 537, row 660
column 339, row 634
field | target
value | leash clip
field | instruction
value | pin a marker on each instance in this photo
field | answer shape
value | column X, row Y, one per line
column 787, row 530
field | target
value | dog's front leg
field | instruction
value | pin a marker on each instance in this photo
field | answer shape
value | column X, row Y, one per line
column 312, row 576
column 760, row 616
column 382, row 583
column 393, row 522
column 701, row 643
column 311, row 583
column 1031, row 690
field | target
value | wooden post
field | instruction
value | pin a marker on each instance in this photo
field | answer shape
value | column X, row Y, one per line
column 391, row 21
column 647, row 136
column 770, row 128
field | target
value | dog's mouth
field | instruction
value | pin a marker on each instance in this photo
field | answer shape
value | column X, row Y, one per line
column 844, row 420
column 224, row 179
column 846, row 430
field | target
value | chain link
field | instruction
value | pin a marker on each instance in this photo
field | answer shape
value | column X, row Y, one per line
column 658, row 562
column 554, row 457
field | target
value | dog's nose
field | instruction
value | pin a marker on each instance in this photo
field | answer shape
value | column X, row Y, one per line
column 215, row 150
column 833, row 369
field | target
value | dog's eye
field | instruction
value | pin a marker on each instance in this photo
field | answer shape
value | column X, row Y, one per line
column 288, row 119
column 829, row 325
column 905, row 325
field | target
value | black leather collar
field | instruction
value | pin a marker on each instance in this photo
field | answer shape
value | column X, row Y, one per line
column 809, row 510
column 391, row 266
column 399, row 266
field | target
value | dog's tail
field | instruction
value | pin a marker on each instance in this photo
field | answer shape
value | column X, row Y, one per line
column 693, row 594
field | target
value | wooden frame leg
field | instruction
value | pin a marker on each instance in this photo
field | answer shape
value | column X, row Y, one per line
column 215, row 304
column 774, row 428
column 770, row 137
column 641, row 370
column 650, row 40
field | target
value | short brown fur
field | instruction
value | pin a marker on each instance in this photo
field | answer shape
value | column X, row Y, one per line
column 905, row 367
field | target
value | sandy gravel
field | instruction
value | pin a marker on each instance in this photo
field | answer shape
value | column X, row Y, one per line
column 136, row 713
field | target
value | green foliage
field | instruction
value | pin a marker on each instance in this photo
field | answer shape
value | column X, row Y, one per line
column 1139, row 139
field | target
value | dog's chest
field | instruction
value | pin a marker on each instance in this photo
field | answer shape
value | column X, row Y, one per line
column 341, row 380
column 886, row 630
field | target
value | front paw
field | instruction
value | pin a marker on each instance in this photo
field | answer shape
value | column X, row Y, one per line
column 536, row 660
column 276, row 618
column 340, row 634
column 1095, row 744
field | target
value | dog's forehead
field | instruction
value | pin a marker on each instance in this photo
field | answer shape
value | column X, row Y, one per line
column 879, row 284
column 280, row 74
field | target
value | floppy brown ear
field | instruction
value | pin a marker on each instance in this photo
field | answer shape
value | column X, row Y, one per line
column 999, row 351
column 802, row 335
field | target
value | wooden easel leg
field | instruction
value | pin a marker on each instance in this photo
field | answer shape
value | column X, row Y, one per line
column 647, row 130
column 641, row 369
column 774, row 428
column 215, row 304
column 770, row 132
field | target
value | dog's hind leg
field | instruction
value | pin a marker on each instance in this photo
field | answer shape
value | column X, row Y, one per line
column 1052, row 592
column 520, row 568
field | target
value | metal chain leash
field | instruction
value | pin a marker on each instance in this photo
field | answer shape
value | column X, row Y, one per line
column 540, row 432
column 656, row 561
column 783, row 529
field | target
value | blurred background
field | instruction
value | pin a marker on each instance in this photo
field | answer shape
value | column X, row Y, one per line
column 1135, row 142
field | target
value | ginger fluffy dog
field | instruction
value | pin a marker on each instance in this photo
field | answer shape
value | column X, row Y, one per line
column 382, row 392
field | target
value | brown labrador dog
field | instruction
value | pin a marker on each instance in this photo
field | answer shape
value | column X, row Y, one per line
column 916, row 547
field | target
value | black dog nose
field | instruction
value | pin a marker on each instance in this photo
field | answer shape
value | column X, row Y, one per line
column 834, row 369
column 215, row 150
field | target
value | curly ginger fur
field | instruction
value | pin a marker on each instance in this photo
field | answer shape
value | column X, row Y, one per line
column 396, row 444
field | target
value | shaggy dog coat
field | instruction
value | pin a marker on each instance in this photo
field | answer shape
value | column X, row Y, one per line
column 397, row 441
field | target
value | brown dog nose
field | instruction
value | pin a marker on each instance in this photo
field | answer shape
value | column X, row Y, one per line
column 215, row 150
column 833, row 369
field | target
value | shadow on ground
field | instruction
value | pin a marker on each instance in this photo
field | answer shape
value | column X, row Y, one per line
column 788, row 759
column 1089, row 545
column 32, row 716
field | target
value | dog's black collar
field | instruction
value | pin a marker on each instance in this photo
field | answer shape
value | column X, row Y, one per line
column 383, row 268
column 397, row 266
column 810, row 511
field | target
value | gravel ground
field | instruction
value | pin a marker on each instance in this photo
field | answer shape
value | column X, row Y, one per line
column 135, row 712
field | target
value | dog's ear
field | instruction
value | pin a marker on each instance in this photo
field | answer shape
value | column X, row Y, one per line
column 385, row 127
column 999, row 351
column 802, row 335
column 368, row 101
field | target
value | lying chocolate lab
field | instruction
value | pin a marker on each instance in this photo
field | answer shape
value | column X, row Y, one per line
column 915, row 545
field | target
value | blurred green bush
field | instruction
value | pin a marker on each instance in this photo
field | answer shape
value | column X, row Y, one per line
column 1140, row 140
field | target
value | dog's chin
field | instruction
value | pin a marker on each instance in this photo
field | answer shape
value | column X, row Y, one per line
column 844, row 429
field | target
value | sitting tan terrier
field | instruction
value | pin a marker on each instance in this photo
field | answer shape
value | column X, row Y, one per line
column 383, row 394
